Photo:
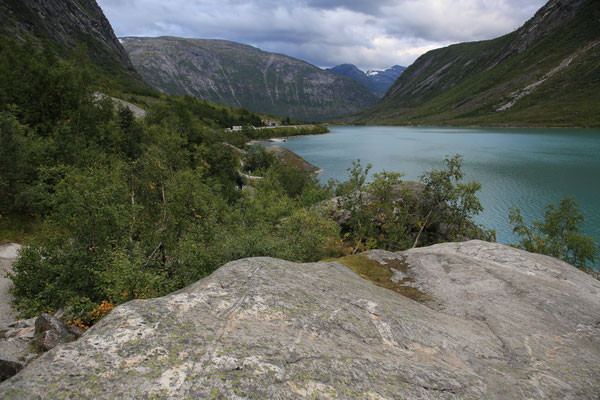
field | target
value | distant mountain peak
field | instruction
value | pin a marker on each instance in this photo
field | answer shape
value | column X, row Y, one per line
column 378, row 82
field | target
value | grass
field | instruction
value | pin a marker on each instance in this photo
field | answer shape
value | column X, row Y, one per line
column 381, row 275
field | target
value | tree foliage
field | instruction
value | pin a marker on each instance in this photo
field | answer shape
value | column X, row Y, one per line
column 393, row 214
column 559, row 235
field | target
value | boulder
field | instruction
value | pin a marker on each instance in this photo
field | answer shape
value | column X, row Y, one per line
column 491, row 322
column 50, row 332
column 23, row 323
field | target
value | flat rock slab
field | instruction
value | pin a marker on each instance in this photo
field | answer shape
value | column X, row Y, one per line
column 500, row 324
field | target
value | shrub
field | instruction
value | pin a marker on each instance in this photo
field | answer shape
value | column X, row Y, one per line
column 559, row 235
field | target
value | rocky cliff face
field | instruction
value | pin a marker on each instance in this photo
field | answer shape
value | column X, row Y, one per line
column 544, row 73
column 68, row 24
column 237, row 75
column 478, row 320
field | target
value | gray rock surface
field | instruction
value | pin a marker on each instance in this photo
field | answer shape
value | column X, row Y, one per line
column 15, row 336
column 138, row 112
column 500, row 324
column 51, row 332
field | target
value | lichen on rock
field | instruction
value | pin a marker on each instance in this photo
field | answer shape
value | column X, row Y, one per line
column 502, row 323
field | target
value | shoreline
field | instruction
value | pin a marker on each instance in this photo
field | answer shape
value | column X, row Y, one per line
column 467, row 126
column 282, row 139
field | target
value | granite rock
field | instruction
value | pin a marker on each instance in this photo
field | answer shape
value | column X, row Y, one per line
column 499, row 323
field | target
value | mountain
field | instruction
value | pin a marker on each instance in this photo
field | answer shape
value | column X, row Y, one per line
column 383, row 80
column 546, row 73
column 352, row 72
column 69, row 25
column 238, row 75
column 378, row 82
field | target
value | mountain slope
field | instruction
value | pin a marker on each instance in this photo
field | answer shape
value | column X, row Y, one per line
column 546, row 73
column 68, row 25
column 378, row 82
column 235, row 75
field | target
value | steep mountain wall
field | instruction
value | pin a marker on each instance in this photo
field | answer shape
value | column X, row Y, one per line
column 68, row 25
column 237, row 75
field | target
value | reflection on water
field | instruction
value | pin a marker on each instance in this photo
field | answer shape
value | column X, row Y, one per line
column 526, row 168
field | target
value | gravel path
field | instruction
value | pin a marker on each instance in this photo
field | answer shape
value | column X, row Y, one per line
column 8, row 349
column 8, row 254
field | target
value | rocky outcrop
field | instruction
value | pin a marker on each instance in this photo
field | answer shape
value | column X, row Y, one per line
column 291, row 159
column 237, row 75
column 13, row 342
column 494, row 322
column 137, row 112
column 51, row 332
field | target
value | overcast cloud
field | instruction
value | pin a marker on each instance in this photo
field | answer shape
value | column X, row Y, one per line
column 372, row 34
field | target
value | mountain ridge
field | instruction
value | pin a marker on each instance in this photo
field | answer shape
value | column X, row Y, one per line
column 239, row 75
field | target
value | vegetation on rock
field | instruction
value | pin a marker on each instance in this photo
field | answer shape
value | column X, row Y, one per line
column 388, row 213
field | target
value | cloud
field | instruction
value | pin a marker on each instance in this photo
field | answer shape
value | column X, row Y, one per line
column 373, row 34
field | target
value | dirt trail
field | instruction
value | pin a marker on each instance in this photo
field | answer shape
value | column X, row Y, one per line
column 10, row 350
column 8, row 254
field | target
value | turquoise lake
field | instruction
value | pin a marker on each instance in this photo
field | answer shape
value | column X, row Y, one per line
column 525, row 168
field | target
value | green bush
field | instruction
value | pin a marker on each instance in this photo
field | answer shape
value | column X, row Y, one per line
column 559, row 235
column 389, row 213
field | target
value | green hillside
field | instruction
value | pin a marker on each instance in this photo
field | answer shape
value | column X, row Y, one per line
column 547, row 73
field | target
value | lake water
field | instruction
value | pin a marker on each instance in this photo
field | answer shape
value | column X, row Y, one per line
column 525, row 168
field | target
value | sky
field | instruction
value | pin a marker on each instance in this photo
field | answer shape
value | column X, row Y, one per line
column 371, row 34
